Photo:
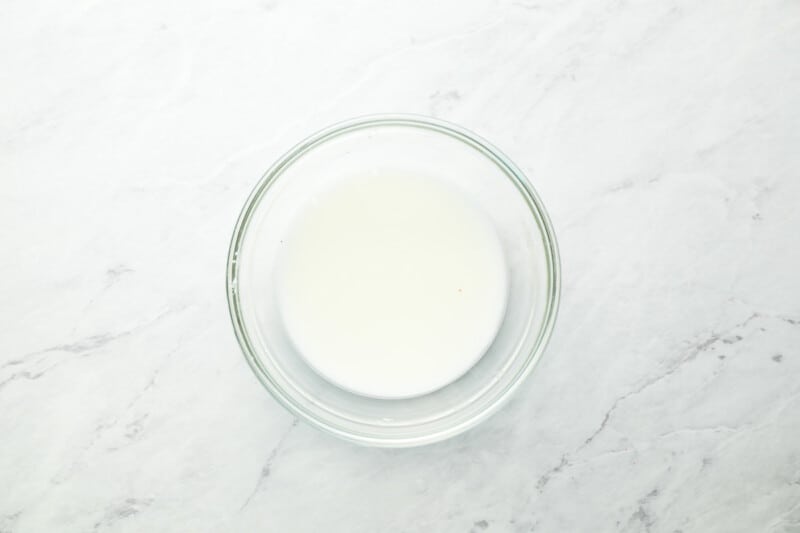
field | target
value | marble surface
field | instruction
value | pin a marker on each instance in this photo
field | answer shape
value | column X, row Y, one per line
column 663, row 136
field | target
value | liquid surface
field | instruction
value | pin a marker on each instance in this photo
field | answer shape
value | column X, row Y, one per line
column 391, row 287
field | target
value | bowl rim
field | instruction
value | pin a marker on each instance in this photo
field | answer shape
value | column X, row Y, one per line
column 472, row 140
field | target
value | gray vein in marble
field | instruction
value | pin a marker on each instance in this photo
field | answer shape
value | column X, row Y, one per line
column 126, row 509
column 641, row 517
column 696, row 348
column 132, row 430
column 266, row 470
column 372, row 65
column 81, row 348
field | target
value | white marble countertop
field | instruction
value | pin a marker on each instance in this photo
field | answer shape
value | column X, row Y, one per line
column 663, row 136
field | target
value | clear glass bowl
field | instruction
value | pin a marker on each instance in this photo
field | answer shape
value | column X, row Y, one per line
column 395, row 143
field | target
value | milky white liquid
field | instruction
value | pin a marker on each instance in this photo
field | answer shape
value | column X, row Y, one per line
column 391, row 286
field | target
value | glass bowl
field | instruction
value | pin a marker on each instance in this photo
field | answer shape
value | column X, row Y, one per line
column 417, row 145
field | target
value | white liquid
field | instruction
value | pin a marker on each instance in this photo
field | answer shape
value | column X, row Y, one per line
column 391, row 287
